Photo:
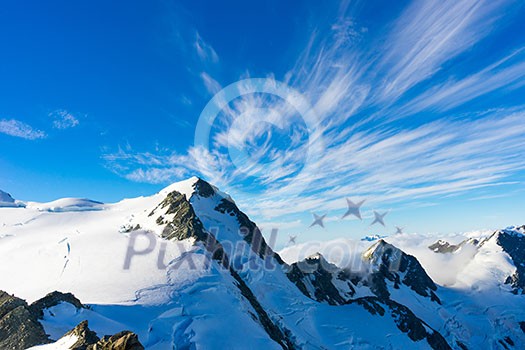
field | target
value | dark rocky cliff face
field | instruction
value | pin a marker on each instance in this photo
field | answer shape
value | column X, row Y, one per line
column 513, row 243
column 85, row 336
column 325, row 282
column 19, row 326
column 53, row 299
column 185, row 224
column 405, row 320
column 314, row 277
column 88, row 340
column 249, row 230
column 322, row 281
column 391, row 264
column 445, row 247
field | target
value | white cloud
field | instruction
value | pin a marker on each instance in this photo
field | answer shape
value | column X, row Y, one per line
column 204, row 50
column 63, row 119
column 346, row 253
column 497, row 76
column 211, row 84
column 20, row 129
column 364, row 155
column 428, row 34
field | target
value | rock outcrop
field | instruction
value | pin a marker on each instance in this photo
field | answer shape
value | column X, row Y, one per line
column 389, row 263
column 86, row 339
column 405, row 320
column 512, row 241
column 179, row 217
column 19, row 326
column 53, row 299
column 319, row 280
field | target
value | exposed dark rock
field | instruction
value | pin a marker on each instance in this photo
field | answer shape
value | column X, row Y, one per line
column 317, row 275
column 405, row 320
column 505, row 346
column 392, row 264
column 85, row 336
column 19, row 326
column 124, row 340
column 129, row 228
column 160, row 220
column 461, row 345
column 249, row 230
column 185, row 224
column 53, row 299
column 370, row 304
column 509, row 341
column 513, row 243
column 522, row 326
column 203, row 189
column 281, row 336
column 88, row 340
column 445, row 247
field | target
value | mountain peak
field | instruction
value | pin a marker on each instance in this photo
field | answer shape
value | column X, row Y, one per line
column 6, row 197
column 193, row 185
column 185, row 187
column 315, row 256
column 389, row 263
column 512, row 242
column 378, row 250
column 7, row 201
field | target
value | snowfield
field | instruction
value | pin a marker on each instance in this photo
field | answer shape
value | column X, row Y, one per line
column 174, row 293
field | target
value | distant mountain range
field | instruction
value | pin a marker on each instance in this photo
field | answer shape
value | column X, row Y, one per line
column 187, row 269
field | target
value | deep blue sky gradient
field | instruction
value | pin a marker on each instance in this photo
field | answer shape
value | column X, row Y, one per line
column 129, row 73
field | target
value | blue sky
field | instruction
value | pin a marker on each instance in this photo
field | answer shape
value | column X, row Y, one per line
column 416, row 107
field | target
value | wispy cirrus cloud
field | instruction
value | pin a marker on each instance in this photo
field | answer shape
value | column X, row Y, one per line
column 427, row 35
column 435, row 159
column 212, row 85
column 358, row 91
column 16, row 128
column 507, row 73
column 204, row 50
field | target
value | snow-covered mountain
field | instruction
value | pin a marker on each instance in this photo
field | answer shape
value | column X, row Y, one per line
column 7, row 201
column 187, row 269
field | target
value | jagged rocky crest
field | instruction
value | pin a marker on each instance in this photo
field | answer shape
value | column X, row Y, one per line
column 391, row 264
column 325, row 282
column 184, row 224
column 20, row 327
column 512, row 241
column 321, row 281
column 88, row 340
column 405, row 320
column 444, row 247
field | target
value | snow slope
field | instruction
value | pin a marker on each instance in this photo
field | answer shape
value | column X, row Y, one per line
column 6, row 201
column 185, row 268
column 67, row 204
column 478, row 307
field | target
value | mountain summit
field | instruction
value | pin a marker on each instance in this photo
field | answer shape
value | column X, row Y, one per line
column 6, row 200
